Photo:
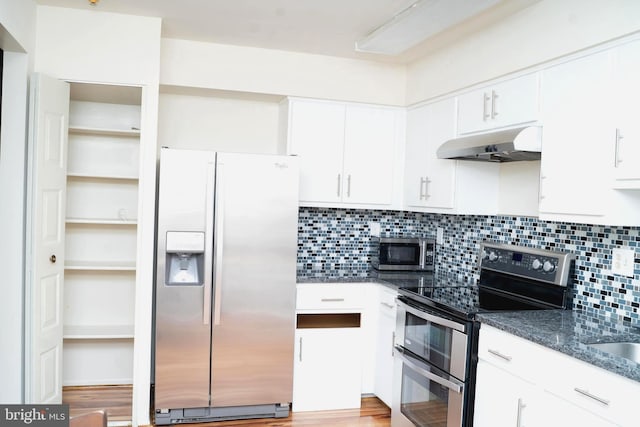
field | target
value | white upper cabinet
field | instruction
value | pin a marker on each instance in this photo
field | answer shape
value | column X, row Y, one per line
column 503, row 104
column 444, row 185
column 368, row 155
column 429, row 181
column 577, row 154
column 347, row 152
column 626, row 107
column 317, row 137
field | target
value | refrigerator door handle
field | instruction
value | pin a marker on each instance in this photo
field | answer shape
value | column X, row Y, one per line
column 218, row 243
column 208, row 261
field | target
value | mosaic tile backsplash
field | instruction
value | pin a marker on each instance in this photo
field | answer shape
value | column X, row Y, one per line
column 339, row 239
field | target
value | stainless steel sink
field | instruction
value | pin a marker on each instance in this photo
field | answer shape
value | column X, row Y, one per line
column 628, row 350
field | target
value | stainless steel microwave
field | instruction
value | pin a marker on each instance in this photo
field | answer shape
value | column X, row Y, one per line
column 403, row 254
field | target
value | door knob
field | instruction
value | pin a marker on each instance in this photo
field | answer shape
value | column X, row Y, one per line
column 52, row 258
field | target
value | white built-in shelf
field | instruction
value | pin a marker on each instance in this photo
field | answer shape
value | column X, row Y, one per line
column 78, row 175
column 104, row 332
column 101, row 221
column 100, row 266
column 86, row 130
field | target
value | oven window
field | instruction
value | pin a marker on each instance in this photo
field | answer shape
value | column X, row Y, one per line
column 427, row 403
column 399, row 254
column 428, row 340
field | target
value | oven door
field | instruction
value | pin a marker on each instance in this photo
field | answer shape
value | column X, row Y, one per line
column 438, row 339
column 423, row 395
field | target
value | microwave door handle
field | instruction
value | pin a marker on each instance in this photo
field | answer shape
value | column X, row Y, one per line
column 433, row 377
column 434, row 319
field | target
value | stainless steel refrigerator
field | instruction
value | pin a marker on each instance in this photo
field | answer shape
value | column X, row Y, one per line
column 225, row 286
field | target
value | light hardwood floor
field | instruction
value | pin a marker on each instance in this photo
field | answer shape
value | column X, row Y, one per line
column 117, row 402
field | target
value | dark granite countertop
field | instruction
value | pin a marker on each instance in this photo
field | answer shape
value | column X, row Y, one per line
column 569, row 332
column 565, row 331
column 391, row 280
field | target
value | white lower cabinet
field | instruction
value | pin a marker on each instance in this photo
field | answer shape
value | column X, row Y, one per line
column 554, row 410
column 327, row 369
column 344, row 345
column 520, row 383
column 329, row 346
column 384, row 343
column 502, row 399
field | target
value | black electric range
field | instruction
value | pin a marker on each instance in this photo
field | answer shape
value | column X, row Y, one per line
column 511, row 278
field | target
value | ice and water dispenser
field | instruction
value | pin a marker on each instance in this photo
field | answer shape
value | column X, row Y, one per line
column 185, row 258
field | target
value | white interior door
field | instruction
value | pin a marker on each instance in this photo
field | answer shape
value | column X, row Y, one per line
column 49, row 106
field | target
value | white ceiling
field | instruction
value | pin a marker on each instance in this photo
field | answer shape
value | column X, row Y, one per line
column 327, row 27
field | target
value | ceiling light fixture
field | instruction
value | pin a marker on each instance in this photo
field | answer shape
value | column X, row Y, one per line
column 93, row 2
column 418, row 22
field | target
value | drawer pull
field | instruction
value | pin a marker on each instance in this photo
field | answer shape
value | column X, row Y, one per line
column 332, row 300
column 500, row 355
column 592, row 396
column 386, row 304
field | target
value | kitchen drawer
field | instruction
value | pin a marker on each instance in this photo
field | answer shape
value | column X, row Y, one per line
column 601, row 392
column 332, row 297
column 516, row 355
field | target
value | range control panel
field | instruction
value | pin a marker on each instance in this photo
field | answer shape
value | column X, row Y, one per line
column 543, row 265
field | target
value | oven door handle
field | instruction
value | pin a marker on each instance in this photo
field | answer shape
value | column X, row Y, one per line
column 454, row 386
column 434, row 319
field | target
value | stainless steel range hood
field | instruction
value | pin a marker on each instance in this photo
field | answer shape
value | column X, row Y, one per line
column 523, row 143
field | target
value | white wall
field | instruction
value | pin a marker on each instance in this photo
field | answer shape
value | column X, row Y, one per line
column 90, row 45
column 76, row 44
column 218, row 122
column 17, row 35
column 544, row 31
column 17, row 25
column 246, row 69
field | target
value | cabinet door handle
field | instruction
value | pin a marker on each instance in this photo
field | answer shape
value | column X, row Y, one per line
column 592, row 396
column 423, row 181
column 521, row 406
column 393, row 342
column 300, row 353
column 386, row 304
column 485, row 99
column 339, row 182
column 426, row 187
column 494, row 111
column 332, row 299
column 349, row 185
column 617, row 159
column 540, row 190
column 500, row 355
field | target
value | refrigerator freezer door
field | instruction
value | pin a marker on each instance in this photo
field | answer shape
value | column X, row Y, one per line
column 183, row 329
column 255, row 272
